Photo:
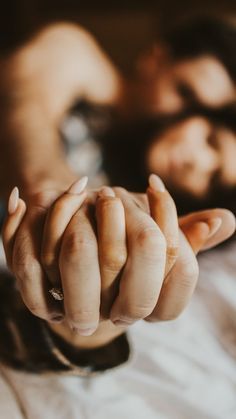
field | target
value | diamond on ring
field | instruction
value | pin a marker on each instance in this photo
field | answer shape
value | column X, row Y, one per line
column 57, row 293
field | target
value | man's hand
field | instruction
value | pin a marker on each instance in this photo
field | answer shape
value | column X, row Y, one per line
column 118, row 257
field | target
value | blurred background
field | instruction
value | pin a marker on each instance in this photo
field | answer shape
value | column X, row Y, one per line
column 123, row 28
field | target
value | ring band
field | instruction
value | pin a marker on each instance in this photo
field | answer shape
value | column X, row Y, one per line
column 57, row 293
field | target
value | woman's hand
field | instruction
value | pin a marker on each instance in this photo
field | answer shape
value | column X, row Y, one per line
column 117, row 262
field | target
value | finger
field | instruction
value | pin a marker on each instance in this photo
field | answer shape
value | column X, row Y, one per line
column 80, row 275
column 32, row 282
column 221, row 222
column 144, row 271
column 16, row 212
column 57, row 220
column 197, row 235
column 178, row 286
column 112, row 250
column 163, row 211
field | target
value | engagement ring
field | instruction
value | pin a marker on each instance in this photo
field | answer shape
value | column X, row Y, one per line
column 57, row 293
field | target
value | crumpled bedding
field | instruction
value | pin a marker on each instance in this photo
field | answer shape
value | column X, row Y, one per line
column 184, row 369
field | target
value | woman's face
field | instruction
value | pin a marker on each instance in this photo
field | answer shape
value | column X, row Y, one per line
column 193, row 155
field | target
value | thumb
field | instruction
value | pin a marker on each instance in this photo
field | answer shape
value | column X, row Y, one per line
column 206, row 229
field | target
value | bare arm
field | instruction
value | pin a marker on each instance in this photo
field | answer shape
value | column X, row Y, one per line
column 38, row 84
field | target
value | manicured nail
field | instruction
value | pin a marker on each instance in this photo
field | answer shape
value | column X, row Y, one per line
column 156, row 183
column 83, row 332
column 13, row 201
column 106, row 191
column 78, row 186
column 214, row 225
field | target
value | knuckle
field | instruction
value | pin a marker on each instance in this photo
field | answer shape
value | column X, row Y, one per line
column 41, row 201
column 114, row 259
column 75, row 243
column 190, row 270
column 81, row 316
column 150, row 239
column 172, row 251
column 48, row 260
column 60, row 205
column 27, row 273
column 107, row 203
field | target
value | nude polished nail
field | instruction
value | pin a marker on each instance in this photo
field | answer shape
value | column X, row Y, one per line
column 78, row 186
column 13, row 201
column 156, row 183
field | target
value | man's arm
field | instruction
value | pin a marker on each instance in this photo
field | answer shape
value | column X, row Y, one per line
column 38, row 85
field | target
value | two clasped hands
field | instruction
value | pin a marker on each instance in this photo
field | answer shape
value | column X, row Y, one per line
column 118, row 257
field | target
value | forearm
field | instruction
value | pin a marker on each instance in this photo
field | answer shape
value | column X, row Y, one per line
column 39, row 83
column 31, row 152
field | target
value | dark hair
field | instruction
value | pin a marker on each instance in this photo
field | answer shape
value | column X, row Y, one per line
column 204, row 36
column 125, row 152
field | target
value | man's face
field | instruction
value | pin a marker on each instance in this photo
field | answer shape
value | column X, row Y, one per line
column 170, row 87
column 194, row 153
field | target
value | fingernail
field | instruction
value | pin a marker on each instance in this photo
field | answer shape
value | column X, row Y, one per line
column 156, row 183
column 83, row 329
column 78, row 186
column 13, row 201
column 83, row 332
column 124, row 323
column 58, row 318
column 106, row 191
column 214, row 225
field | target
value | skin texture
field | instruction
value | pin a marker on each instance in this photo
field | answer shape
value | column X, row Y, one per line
column 51, row 227
column 153, row 279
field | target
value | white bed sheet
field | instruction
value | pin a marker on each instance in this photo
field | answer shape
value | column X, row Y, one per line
column 185, row 369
